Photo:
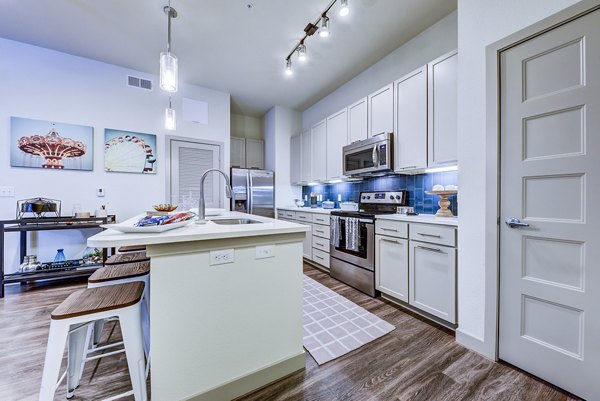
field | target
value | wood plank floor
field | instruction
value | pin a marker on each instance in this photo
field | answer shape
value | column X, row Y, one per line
column 417, row 361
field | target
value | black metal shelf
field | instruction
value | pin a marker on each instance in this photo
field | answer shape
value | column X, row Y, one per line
column 22, row 226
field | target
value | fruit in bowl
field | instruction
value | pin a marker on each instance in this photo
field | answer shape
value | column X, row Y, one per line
column 164, row 207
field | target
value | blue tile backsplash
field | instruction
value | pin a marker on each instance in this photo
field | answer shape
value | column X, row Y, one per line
column 415, row 184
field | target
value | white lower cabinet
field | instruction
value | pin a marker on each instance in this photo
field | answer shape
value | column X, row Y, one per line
column 432, row 272
column 307, row 244
column 416, row 263
column 391, row 266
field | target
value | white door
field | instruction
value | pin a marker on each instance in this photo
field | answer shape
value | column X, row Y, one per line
column 550, row 180
column 357, row 121
column 381, row 111
column 255, row 149
column 188, row 161
column 410, row 113
column 306, row 171
column 337, row 138
column 296, row 159
column 319, row 151
column 442, row 98
column 391, row 266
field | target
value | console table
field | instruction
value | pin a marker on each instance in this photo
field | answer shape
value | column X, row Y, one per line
column 22, row 226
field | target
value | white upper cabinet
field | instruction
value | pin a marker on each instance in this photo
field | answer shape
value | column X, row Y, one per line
column 381, row 111
column 296, row 159
column 319, row 151
column 238, row 152
column 337, row 138
column 305, row 173
column 357, row 121
column 255, row 149
column 410, row 134
column 442, row 98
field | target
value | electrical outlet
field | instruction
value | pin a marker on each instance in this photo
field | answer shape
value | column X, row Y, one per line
column 263, row 252
column 7, row 192
column 222, row 256
column 100, row 192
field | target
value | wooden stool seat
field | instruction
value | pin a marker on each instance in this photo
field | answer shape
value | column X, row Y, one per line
column 132, row 248
column 130, row 257
column 99, row 299
column 120, row 272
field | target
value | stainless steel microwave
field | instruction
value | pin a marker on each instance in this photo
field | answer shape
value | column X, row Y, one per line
column 369, row 157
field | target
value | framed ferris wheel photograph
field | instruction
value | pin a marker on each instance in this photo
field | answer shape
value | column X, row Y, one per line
column 51, row 145
column 129, row 152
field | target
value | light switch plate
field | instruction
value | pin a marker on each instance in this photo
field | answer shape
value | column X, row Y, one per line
column 222, row 256
column 7, row 192
column 265, row 251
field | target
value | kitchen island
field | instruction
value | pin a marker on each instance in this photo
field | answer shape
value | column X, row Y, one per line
column 226, row 305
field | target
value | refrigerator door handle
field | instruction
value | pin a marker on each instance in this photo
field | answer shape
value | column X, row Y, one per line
column 249, row 192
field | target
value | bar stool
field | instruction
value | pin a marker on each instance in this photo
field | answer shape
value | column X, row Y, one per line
column 118, row 274
column 131, row 248
column 74, row 314
column 128, row 257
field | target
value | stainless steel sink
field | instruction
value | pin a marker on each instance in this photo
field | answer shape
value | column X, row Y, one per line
column 235, row 221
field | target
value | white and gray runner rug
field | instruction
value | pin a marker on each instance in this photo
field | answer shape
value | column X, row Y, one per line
column 334, row 326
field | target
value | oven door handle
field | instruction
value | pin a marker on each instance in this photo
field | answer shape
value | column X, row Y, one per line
column 375, row 155
column 367, row 221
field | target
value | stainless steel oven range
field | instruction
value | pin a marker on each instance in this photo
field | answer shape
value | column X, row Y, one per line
column 352, row 249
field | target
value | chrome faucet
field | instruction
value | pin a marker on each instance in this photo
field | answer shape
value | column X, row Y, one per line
column 202, row 203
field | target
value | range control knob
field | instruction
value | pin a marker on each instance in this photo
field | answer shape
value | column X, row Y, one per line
column 368, row 197
column 391, row 197
column 398, row 197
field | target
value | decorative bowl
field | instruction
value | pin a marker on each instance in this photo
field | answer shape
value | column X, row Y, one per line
column 299, row 202
column 165, row 207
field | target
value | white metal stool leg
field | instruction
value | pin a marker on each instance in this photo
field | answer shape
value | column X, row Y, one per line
column 131, row 328
column 77, row 343
column 59, row 331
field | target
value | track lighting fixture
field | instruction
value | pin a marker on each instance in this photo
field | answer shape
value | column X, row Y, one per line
column 302, row 52
column 321, row 25
column 344, row 10
column 324, row 29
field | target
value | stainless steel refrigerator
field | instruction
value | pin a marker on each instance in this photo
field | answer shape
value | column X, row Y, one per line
column 253, row 191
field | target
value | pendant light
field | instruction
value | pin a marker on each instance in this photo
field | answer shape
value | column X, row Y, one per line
column 170, row 118
column 168, row 61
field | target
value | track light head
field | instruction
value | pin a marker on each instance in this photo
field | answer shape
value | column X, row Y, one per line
column 302, row 52
column 288, row 67
column 344, row 9
column 324, row 29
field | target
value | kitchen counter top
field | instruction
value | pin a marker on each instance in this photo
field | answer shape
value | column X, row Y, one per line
column 422, row 218
column 305, row 209
column 197, row 232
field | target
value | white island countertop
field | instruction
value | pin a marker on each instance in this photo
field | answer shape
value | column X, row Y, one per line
column 421, row 218
column 197, row 232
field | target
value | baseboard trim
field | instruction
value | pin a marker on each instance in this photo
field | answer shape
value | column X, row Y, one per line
column 473, row 343
column 253, row 381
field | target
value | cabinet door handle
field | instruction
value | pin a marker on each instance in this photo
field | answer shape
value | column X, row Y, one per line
column 392, row 241
column 302, row 217
column 319, row 257
column 407, row 167
column 430, row 235
column 430, row 249
column 389, row 229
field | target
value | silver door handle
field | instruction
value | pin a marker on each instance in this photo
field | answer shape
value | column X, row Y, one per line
column 375, row 156
column 430, row 249
column 513, row 222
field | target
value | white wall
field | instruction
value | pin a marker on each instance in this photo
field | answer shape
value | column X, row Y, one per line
column 246, row 126
column 481, row 23
column 280, row 124
column 436, row 40
column 43, row 84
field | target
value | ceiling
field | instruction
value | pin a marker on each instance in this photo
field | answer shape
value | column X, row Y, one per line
column 223, row 44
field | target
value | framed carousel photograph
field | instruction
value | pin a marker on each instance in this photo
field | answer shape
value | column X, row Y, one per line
column 129, row 152
column 51, row 145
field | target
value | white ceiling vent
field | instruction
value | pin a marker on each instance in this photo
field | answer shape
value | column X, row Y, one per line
column 137, row 82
